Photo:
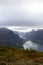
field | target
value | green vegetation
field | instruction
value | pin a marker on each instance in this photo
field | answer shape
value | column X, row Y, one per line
column 17, row 56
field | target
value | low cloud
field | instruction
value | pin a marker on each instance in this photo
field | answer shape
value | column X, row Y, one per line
column 30, row 45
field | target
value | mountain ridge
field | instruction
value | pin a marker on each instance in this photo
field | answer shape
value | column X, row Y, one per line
column 9, row 38
column 35, row 36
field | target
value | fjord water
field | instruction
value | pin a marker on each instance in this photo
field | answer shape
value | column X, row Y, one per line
column 35, row 46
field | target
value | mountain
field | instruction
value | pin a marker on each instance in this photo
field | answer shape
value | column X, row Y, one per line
column 35, row 36
column 20, row 34
column 9, row 38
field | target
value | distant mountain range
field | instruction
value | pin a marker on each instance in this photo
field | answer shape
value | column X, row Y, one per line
column 35, row 36
column 10, row 39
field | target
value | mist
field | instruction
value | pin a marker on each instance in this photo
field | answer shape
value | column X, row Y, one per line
column 30, row 45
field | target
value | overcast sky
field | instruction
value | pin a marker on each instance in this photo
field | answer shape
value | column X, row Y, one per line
column 26, row 13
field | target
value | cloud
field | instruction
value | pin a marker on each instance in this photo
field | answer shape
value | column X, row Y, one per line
column 21, row 13
column 30, row 45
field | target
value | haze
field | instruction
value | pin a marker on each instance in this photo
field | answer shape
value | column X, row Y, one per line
column 21, row 13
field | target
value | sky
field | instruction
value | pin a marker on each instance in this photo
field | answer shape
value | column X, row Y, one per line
column 21, row 14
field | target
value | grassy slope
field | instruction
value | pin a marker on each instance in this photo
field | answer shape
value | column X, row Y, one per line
column 21, row 56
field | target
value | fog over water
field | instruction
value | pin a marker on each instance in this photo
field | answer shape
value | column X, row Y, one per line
column 31, row 45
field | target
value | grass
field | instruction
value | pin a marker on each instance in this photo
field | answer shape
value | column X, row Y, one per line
column 17, row 56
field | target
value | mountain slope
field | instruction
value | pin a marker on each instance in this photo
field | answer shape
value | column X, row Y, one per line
column 9, row 38
column 35, row 36
column 17, row 56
